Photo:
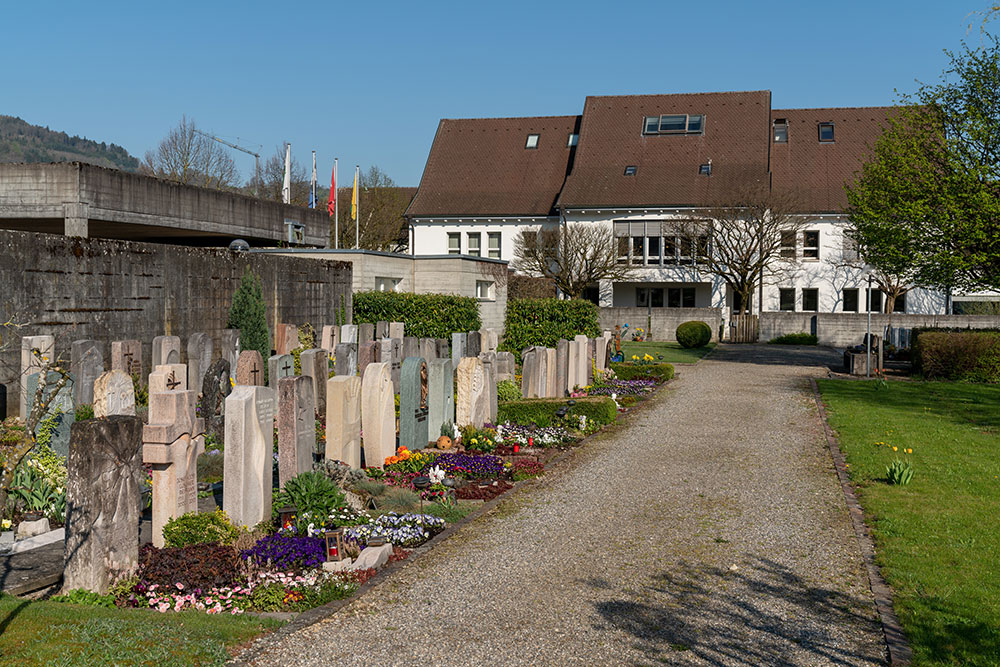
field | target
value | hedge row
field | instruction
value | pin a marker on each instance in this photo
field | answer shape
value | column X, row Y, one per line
column 628, row 371
column 973, row 356
column 544, row 321
column 425, row 315
column 541, row 411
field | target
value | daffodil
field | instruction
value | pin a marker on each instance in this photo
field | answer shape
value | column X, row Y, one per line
column 895, row 448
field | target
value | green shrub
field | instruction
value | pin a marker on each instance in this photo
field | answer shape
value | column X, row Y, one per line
column 544, row 321
column 425, row 315
column 972, row 356
column 542, row 411
column 899, row 472
column 794, row 339
column 83, row 596
column 311, row 493
column 84, row 411
column 507, row 390
column 248, row 313
column 629, row 371
column 693, row 334
column 195, row 528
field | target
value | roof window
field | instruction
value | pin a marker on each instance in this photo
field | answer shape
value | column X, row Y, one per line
column 781, row 130
column 705, row 169
column 826, row 133
column 630, row 170
column 574, row 139
column 674, row 124
column 532, row 141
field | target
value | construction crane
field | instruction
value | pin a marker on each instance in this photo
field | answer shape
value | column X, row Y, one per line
column 256, row 156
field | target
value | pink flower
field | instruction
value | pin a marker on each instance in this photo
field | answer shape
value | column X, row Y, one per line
column 179, row 586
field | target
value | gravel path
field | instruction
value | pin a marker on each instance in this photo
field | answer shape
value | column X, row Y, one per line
column 710, row 529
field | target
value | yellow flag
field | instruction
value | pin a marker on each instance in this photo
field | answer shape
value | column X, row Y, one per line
column 354, row 198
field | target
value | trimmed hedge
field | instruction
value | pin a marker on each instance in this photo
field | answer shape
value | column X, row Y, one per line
column 625, row 370
column 425, row 315
column 972, row 356
column 541, row 411
column 794, row 339
column 693, row 334
column 544, row 321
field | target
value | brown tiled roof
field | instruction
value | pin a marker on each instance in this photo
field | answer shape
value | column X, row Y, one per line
column 480, row 167
column 735, row 138
column 813, row 172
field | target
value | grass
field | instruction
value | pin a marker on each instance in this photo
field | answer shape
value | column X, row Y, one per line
column 54, row 633
column 672, row 353
column 937, row 538
column 452, row 514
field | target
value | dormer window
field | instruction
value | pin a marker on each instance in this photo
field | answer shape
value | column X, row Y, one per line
column 826, row 133
column 532, row 141
column 573, row 140
column 781, row 130
column 674, row 124
column 630, row 170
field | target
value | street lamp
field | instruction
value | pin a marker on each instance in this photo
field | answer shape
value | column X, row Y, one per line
column 868, row 338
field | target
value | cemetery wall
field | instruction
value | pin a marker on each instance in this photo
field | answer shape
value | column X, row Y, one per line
column 108, row 290
column 847, row 329
column 661, row 322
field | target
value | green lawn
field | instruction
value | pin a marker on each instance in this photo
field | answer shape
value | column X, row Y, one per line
column 672, row 353
column 938, row 538
column 54, row 633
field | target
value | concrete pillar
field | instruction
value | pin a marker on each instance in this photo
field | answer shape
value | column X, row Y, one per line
column 77, row 217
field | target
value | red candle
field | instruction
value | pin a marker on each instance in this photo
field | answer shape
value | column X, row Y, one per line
column 531, row 441
column 517, row 448
column 333, row 552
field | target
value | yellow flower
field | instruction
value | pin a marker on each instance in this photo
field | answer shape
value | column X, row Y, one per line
column 909, row 451
column 895, row 448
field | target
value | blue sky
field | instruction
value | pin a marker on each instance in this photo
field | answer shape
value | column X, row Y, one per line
column 368, row 82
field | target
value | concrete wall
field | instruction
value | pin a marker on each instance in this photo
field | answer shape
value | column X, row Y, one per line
column 112, row 290
column 847, row 329
column 664, row 320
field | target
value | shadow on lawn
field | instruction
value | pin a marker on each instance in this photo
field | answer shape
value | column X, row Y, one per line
column 780, row 355
column 748, row 617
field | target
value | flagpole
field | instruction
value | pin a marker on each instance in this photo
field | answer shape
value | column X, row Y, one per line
column 286, row 187
column 336, row 209
column 357, row 205
column 312, row 185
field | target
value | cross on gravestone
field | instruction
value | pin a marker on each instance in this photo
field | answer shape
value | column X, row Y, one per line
column 287, row 368
column 129, row 355
column 172, row 382
column 255, row 373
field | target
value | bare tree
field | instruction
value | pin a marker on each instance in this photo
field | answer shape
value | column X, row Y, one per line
column 382, row 204
column 191, row 158
column 574, row 257
column 272, row 180
column 741, row 241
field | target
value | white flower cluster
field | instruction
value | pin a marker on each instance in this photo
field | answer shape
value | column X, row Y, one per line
column 404, row 530
column 436, row 475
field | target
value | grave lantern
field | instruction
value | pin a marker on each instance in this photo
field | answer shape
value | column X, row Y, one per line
column 286, row 517
column 335, row 545
column 421, row 483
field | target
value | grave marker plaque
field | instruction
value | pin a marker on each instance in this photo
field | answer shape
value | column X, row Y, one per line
column 316, row 367
column 349, row 333
column 279, row 366
column 411, row 347
column 458, row 341
column 396, row 330
column 473, row 344
column 367, row 353
column 229, row 346
column 61, row 409
column 562, row 368
column 346, row 359
column 168, row 377
column 427, row 349
column 114, row 395
column 441, row 396
column 126, row 356
column 296, row 427
column 330, row 338
column 286, row 338
column 382, row 330
column 366, row 333
column 473, row 402
column 214, row 389
column 200, row 351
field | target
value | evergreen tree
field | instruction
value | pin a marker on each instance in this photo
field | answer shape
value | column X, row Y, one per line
column 248, row 313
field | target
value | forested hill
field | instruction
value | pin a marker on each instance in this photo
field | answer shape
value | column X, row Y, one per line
column 23, row 142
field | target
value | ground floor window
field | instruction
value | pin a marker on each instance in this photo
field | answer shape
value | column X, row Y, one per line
column 875, row 300
column 899, row 305
column 680, row 297
column 454, row 243
column 786, row 298
column 851, row 300
column 810, row 299
column 646, row 297
column 484, row 289
column 387, row 284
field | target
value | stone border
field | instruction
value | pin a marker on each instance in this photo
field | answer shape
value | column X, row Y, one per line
column 895, row 638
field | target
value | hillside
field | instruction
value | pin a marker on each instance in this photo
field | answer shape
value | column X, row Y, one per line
column 23, row 142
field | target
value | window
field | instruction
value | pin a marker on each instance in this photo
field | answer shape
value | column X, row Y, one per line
column 493, row 238
column 780, row 130
column 296, row 232
column 786, row 298
column 680, row 297
column 532, row 141
column 810, row 299
column 474, row 239
column 705, row 169
column 851, row 300
column 630, row 170
column 652, row 250
column 649, row 297
column 484, row 289
column 788, row 244
column 573, row 140
column 810, row 245
column 674, row 124
column 454, row 243
column 637, row 249
column 387, row 284
column 875, row 300
column 899, row 305
column 702, row 249
column 623, row 250
column 826, row 133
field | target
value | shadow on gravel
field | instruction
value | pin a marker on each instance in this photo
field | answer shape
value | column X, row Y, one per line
column 780, row 355
column 759, row 615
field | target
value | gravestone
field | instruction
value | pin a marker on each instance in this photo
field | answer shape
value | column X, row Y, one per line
column 103, row 476
column 343, row 419
column 229, row 346
column 250, row 368
column 366, row 333
column 86, row 364
column 440, row 396
column 578, row 359
column 413, row 426
column 3, row 401
column 166, row 350
column 472, row 405
column 490, row 378
column 330, row 337
column 562, row 367
column 279, row 366
column 443, row 349
column 488, row 340
column 200, row 352
column 505, row 366
column 367, row 353
column 126, row 356
column 286, row 338
column 396, row 361
column 248, row 465
column 172, row 441
column 60, row 410
column 530, row 369
column 591, row 359
column 346, row 359
column 316, row 367
column 31, row 362
column 396, row 330
column 600, row 354
column 349, row 333
column 381, row 330
column 378, row 415
column 551, row 374
column 473, row 344
column 214, row 389
column 296, row 427
column 427, row 349
column 114, row 394
column 411, row 347
column 458, row 341
column 168, row 377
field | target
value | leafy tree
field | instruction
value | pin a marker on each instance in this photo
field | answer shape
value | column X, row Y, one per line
column 248, row 313
column 191, row 158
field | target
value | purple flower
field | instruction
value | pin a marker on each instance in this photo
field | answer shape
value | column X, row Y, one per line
column 285, row 552
column 473, row 466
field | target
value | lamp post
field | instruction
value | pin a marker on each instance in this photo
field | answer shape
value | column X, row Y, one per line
column 868, row 337
column 421, row 483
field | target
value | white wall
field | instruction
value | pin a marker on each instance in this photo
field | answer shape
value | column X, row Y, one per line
column 431, row 237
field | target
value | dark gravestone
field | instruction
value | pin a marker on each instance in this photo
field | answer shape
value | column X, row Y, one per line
column 366, row 333
column 413, row 422
column 214, row 389
column 472, row 344
column 367, row 354
column 3, row 402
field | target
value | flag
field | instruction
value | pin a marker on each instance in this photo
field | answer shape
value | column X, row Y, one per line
column 331, row 205
column 286, row 187
column 312, row 185
column 354, row 197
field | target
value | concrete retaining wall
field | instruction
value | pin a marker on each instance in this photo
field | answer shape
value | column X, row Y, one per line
column 664, row 320
column 847, row 329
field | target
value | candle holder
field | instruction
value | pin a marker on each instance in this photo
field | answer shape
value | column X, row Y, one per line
column 286, row 517
column 335, row 545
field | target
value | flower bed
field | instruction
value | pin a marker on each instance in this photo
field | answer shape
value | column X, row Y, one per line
column 485, row 492
column 616, row 387
column 472, row 466
column 405, row 530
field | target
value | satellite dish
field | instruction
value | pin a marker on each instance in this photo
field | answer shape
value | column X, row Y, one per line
column 239, row 245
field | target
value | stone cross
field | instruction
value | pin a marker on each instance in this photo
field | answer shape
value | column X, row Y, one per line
column 200, row 350
column 250, row 368
column 378, row 415
column 168, row 377
column 396, row 330
column 296, row 427
column 366, row 333
column 166, row 350
column 440, row 396
column 330, row 337
column 172, row 441
column 30, row 363
column 413, row 426
column 457, row 348
column 86, row 363
column 126, row 356
column 316, row 367
column 343, row 419
column 349, row 333
column 247, row 467
column 345, row 361
column 473, row 403
column 367, row 353
column 279, row 366
column 103, row 477
column 114, row 394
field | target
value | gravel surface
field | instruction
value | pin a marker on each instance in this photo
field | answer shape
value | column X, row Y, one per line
column 708, row 529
